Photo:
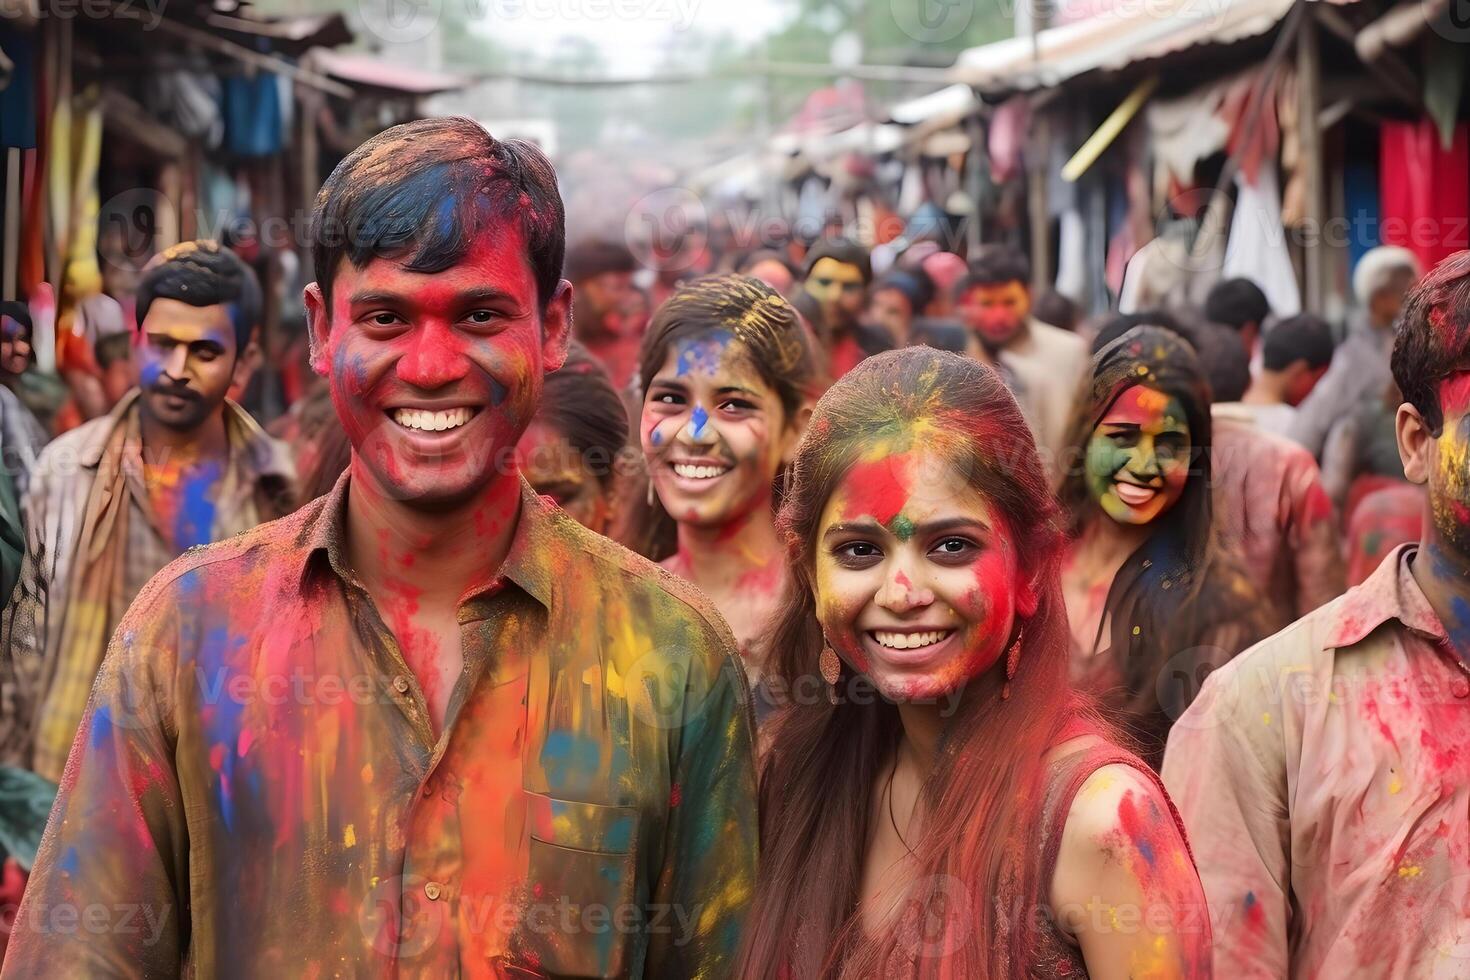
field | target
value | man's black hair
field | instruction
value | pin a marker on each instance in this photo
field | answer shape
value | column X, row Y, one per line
column 1299, row 338
column 425, row 191
column 203, row 273
column 1235, row 303
column 997, row 265
column 1432, row 337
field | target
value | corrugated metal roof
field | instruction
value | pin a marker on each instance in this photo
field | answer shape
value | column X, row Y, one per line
column 1135, row 31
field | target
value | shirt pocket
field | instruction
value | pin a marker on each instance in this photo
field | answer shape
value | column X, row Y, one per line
column 580, row 916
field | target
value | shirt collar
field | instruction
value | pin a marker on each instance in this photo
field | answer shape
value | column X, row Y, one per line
column 528, row 562
column 258, row 455
column 1389, row 593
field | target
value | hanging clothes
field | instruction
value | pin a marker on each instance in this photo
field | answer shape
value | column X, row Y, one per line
column 18, row 99
column 1256, row 249
column 1008, row 127
column 253, row 123
column 1425, row 190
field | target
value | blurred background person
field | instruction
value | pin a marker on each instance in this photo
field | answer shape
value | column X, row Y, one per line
column 1295, row 354
column 771, row 268
column 604, row 300
column 573, row 449
column 1240, row 305
column 1271, row 511
column 894, row 300
column 1359, row 369
column 833, row 293
column 22, row 436
column 1056, row 310
column 1046, row 363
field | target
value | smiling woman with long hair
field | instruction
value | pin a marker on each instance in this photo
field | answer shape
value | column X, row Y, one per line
column 948, row 807
column 727, row 373
column 1154, row 603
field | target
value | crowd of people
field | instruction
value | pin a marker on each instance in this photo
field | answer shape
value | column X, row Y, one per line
column 774, row 616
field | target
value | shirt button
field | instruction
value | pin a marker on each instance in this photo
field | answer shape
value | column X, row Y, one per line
column 433, row 891
column 1461, row 687
column 400, row 684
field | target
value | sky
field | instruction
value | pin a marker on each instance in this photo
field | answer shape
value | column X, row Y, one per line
column 629, row 33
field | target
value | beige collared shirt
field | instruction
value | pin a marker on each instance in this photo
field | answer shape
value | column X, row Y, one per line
column 1324, row 778
column 1048, row 365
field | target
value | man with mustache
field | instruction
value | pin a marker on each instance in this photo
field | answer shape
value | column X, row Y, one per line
column 428, row 725
column 175, row 464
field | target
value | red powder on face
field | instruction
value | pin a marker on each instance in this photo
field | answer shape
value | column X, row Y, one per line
column 1454, row 394
column 877, row 489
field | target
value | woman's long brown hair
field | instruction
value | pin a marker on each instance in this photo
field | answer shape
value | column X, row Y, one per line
column 979, row 891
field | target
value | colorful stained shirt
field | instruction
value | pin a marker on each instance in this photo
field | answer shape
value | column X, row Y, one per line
column 93, row 539
column 1273, row 514
column 257, row 782
column 1324, row 779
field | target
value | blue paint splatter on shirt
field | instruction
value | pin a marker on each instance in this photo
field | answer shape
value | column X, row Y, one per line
column 195, row 521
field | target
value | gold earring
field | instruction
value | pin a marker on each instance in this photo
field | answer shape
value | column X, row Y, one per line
column 1013, row 660
column 831, row 668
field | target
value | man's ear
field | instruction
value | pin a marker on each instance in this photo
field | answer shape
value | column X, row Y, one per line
column 318, row 327
column 556, row 327
column 1416, row 444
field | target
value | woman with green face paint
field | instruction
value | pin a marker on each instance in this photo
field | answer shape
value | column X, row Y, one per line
column 1152, row 603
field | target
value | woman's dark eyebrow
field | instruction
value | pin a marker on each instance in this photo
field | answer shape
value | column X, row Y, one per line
column 852, row 527
column 951, row 524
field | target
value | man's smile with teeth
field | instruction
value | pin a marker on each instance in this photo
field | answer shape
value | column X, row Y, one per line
column 909, row 641
column 699, row 471
column 428, row 421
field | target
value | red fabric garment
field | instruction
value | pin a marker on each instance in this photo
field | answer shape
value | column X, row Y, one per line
column 1386, row 514
column 1425, row 189
column 12, row 885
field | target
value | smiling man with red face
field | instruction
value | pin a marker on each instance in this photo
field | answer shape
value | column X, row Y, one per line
column 429, row 725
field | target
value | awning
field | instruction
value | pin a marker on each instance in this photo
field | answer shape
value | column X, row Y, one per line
column 942, row 108
column 366, row 72
column 1109, row 41
column 288, row 35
